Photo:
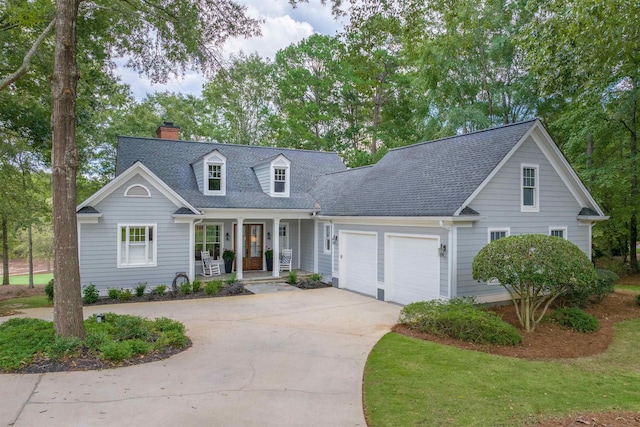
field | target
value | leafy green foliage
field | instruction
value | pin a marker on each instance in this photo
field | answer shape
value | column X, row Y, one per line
column 605, row 285
column 292, row 277
column 196, row 286
column 581, row 296
column 140, row 288
column 125, row 295
column 576, row 319
column 636, row 299
column 231, row 279
column 185, row 288
column 22, row 339
column 315, row 277
column 212, row 287
column 113, row 293
column 535, row 270
column 116, row 351
column 63, row 346
column 48, row 289
column 458, row 318
column 90, row 294
column 160, row 290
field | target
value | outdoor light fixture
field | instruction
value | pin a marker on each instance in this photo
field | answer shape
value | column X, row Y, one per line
column 99, row 318
column 227, row 237
column 268, row 235
column 442, row 250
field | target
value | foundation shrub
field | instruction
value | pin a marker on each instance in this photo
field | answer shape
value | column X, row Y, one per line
column 212, row 287
column 125, row 295
column 113, row 293
column 185, row 288
column 196, row 286
column 90, row 294
column 140, row 288
column 161, row 290
column 576, row 319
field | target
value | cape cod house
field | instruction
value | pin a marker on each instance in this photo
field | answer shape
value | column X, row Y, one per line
column 402, row 230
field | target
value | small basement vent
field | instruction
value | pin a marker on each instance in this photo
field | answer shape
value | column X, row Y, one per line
column 137, row 191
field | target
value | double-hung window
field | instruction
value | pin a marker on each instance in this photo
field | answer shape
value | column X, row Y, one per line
column 279, row 180
column 137, row 245
column 215, row 178
column 208, row 238
column 530, row 188
column 215, row 170
column 327, row 238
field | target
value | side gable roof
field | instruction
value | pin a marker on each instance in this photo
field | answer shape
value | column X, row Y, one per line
column 136, row 169
column 172, row 162
column 437, row 178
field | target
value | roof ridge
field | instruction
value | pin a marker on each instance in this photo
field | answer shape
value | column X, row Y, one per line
column 225, row 144
column 349, row 170
column 464, row 134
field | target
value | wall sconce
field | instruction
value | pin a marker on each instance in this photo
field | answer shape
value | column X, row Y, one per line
column 227, row 236
column 268, row 235
column 335, row 238
column 442, row 250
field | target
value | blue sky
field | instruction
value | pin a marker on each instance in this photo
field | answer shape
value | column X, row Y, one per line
column 283, row 25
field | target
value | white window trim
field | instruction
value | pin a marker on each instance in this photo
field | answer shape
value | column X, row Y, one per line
column 126, row 192
column 280, row 162
column 215, row 158
column 288, row 243
column 536, row 194
column 154, row 263
column 562, row 228
column 326, row 238
column 507, row 231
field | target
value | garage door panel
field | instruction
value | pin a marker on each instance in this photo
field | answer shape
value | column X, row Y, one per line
column 359, row 262
column 412, row 268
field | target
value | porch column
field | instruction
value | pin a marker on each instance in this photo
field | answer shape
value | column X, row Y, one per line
column 276, row 247
column 239, row 248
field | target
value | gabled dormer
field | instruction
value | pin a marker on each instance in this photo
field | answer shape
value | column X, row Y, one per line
column 274, row 175
column 211, row 174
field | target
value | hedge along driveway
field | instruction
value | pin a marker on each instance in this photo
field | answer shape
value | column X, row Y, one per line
column 413, row 382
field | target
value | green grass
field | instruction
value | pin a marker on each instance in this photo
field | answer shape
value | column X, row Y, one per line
column 24, row 302
column 632, row 288
column 409, row 382
column 117, row 338
column 38, row 279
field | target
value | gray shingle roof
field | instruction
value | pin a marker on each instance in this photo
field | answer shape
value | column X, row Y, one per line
column 88, row 210
column 171, row 162
column 588, row 212
column 426, row 179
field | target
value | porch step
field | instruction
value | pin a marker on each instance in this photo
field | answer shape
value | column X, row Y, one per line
column 271, row 279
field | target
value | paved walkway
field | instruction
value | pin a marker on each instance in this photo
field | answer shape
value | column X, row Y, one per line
column 275, row 359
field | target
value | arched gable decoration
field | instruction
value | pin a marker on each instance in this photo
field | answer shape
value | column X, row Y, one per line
column 137, row 190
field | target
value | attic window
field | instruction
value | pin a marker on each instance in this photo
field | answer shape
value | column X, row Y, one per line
column 530, row 188
column 279, row 180
column 215, row 171
column 137, row 190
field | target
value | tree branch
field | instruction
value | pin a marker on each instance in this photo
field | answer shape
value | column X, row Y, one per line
column 12, row 78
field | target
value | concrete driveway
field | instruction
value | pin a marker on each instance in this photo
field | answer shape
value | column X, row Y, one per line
column 281, row 359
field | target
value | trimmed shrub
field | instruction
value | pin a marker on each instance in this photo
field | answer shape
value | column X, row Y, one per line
column 577, row 295
column 116, row 351
column 212, row 287
column 164, row 324
column 140, row 288
column 196, row 286
column 459, row 318
column 576, row 319
column 605, row 286
column 125, row 295
column 185, row 288
column 231, row 279
column 127, row 327
column 113, row 293
column 315, row 277
column 292, row 278
column 161, row 290
column 90, row 294
column 171, row 339
column 49, row 291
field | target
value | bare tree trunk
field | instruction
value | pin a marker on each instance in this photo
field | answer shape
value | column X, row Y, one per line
column 67, row 304
column 5, row 251
column 30, row 256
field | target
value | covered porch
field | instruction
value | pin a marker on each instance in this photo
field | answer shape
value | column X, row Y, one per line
column 257, row 276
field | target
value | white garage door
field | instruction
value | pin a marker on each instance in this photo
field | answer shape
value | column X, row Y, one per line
column 412, row 268
column 359, row 262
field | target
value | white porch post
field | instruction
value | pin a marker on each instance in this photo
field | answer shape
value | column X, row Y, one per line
column 239, row 248
column 276, row 247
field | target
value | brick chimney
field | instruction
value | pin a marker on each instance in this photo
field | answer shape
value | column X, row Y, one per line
column 168, row 131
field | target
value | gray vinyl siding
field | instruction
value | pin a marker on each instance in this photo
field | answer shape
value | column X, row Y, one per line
column 306, row 244
column 98, row 242
column 262, row 173
column 324, row 260
column 381, row 230
column 199, row 173
column 500, row 203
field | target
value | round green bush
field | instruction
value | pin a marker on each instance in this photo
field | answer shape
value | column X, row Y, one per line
column 459, row 318
column 49, row 291
column 91, row 294
column 576, row 319
column 116, row 351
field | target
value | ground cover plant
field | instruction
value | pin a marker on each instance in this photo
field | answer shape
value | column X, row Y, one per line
column 409, row 381
column 576, row 319
column 458, row 318
column 30, row 345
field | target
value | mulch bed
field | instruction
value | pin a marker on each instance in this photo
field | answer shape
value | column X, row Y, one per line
column 549, row 341
column 310, row 284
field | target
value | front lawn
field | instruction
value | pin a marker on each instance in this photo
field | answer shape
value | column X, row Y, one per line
column 38, row 279
column 24, row 302
column 632, row 288
column 411, row 382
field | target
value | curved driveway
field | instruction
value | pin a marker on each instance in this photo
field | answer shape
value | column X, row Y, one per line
column 278, row 359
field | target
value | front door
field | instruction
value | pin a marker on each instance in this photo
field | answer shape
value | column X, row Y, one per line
column 252, row 250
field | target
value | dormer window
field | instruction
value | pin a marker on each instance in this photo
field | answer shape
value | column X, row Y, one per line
column 215, row 174
column 279, row 180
